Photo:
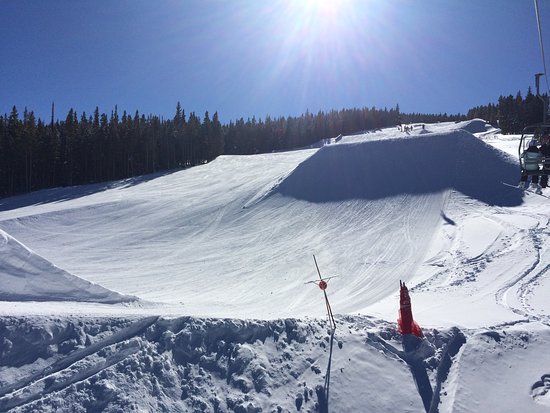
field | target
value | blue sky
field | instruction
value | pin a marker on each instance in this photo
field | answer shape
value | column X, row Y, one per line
column 259, row 57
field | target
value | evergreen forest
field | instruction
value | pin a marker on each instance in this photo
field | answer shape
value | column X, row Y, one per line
column 83, row 149
column 512, row 113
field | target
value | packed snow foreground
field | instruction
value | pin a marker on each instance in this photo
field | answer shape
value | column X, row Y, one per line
column 189, row 291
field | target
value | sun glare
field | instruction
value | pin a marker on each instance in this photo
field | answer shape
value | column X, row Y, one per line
column 320, row 14
column 314, row 45
column 314, row 24
column 322, row 9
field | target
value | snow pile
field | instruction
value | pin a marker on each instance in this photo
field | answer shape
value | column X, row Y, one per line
column 212, row 365
column 223, row 365
column 417, row 165
column 503, row 369
column 474, row 126
column 25, row 275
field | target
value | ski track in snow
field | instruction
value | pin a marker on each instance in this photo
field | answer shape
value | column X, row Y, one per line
column 525, row 284
column 35, row 386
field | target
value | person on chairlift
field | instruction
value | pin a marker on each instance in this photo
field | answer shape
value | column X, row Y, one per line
column 532, row 158
column 545, row 152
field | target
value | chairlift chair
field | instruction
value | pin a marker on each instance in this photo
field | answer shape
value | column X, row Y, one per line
column 532, row 163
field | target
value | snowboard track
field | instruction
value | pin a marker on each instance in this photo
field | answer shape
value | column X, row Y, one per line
column 525, row 283
column 37, row 385
column 424, row 356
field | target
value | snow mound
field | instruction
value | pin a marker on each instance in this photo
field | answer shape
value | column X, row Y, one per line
column 206, row 365
column 474, row 126
column 26, row 276
column 415, row 165
column 494, row 362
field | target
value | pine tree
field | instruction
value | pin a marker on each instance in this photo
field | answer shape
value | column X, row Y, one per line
column 29, row 142
column 13, row 152
column 217, row 141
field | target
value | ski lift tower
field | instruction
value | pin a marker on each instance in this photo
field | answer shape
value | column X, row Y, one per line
column 543, row 98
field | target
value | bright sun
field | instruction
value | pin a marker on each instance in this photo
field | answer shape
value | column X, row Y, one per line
column 316, row 43
column 322, row 9
column 314, row 20
column 320, row 13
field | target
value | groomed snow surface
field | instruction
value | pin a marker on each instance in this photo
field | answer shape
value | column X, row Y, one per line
column 188, row 291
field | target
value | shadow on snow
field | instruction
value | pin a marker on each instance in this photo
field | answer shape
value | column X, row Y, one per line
column 415, row 165
column 68, row 193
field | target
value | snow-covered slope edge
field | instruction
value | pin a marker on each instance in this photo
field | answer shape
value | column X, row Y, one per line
column 414, row 165
column 226, row 365
column 190, row 364
column 26, row 276
column 176, row 236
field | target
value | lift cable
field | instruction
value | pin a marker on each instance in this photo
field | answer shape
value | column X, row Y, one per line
column 541, row 45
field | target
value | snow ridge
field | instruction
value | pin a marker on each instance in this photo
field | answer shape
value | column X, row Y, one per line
column 26, row 276
column 416, row 165
column 175, row 364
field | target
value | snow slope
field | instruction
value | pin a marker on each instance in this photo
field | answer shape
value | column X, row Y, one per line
column 26, row 276
column 261, row 229
column 233, row 239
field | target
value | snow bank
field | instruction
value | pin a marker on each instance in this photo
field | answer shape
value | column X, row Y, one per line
column 26, row 276
column 501, row 370
column 214, row 365
column 416, row 165
column 474, row 126
column 191, row 364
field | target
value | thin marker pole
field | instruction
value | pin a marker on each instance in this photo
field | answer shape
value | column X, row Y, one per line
column 323, row 285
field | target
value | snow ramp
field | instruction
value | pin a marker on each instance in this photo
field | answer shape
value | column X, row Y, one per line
column 26, row 276
column 414, row 165
column 474, row 126
column 235, row 237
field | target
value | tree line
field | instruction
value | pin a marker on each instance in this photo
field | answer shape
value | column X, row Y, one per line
column 87, row 149
column 512, row 113
column 83, row 149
